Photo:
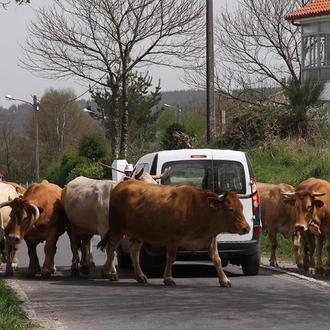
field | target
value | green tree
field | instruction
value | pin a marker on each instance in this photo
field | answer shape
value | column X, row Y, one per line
column 175, row 137
column 305, row 105
column 93, row 146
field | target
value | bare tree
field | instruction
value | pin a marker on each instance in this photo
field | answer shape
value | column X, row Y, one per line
column 256, row 48
column 104, row 41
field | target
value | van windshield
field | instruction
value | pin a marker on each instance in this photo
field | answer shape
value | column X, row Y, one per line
column 217, row 175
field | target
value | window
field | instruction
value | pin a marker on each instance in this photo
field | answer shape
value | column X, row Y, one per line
column 218, row 175
column 316, row 45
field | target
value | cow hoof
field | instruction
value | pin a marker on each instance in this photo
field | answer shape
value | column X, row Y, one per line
column 9, row 274
column 300, row 265
column 273, row 264
column 169, row 281
column 311, row 271
column 75, row 273
column 225, row 284
column 92, row 264
column 142, row 279
column 319, row 270
column 45, row 275
column 84, row 270
column 113, row 277
column 327, row 272
column 30, row 274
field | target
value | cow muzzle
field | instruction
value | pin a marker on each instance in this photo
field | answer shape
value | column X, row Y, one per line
column 14, row 240
column 301, row 227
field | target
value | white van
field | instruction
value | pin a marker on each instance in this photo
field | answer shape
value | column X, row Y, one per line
column 216, row 170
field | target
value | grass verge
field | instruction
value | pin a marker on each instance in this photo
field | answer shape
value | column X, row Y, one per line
column 12, row 316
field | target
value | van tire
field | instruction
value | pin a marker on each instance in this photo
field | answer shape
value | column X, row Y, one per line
column 251, row 264
column 123, row 259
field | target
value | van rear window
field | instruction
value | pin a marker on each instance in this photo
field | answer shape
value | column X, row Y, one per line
column 217, row 175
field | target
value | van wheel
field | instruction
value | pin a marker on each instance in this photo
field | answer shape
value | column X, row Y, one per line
column 124, row 259
column 151, row 266
column 251, row 264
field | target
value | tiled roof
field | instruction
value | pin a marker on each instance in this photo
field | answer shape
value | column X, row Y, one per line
column 315, row 8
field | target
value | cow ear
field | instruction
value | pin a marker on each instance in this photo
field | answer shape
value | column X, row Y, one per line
column 213, row 202
column 318, row 203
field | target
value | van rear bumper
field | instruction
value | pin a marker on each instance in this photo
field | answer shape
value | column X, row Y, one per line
column 227, row 250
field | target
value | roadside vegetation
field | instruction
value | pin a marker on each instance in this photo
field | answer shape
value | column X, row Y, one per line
column 11, row 314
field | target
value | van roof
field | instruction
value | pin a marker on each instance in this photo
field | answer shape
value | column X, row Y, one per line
column 198, row 153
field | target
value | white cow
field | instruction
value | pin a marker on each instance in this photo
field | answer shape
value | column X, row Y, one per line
column 7, row 192
column 86, row 204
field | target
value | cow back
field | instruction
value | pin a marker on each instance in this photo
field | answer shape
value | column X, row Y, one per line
column 159, row 214
column 86, row 203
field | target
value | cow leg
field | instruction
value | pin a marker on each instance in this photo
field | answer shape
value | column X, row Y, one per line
column 48, row 267
column 214, row 255
column 14, row 260
column 170, row 259
column 32, row 252
column 319, row 248
column 296, row 240
column 85, row 247
column 90, row 253
column 9, row 252
column 327, row 263
column 310, row 241
column 74, row 245
column 109, row 270
column 273, row 246
column 135, row 248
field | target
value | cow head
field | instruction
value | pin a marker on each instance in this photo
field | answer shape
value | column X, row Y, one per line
column 230, row 208
column 23, row 217
column 146, row 177
column 306, row 208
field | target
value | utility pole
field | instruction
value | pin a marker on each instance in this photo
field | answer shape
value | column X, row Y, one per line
column 210, row 112
column 36, row 136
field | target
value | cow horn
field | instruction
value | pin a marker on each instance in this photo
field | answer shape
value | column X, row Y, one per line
column 138, row 175
column 6, row 203
column 164, row 174
column 315, row 193
column 288, row 193
column 36, row 211
column 242, row 196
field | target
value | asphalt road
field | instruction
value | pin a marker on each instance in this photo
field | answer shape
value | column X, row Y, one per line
column 284, row 299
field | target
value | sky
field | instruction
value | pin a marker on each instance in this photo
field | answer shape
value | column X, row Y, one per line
column 21, row 84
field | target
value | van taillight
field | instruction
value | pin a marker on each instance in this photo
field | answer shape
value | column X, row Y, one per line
column 257, row 231
column 255, row 198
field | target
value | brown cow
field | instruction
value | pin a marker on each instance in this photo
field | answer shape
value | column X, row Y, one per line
column 172, row 216
column 276, row 218
column 86, row 204
column 311, row 204
column 35, row 217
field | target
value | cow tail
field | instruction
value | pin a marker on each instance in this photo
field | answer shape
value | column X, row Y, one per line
column 104, row 241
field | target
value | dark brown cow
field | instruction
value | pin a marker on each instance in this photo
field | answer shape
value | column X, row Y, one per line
column 276, row 218
column 172, row 216
column 311, row 204
column 35, row 217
